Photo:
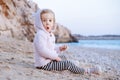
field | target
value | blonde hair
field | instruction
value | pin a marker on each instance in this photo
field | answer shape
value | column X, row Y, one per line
column 48, row 11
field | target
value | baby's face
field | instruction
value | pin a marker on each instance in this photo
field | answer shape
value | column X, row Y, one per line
column 47, row 21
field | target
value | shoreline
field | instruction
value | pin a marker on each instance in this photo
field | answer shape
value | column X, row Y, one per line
column 108, row 47
column 16, row 62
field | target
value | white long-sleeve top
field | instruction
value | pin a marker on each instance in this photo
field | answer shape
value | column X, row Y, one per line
column 44, row 44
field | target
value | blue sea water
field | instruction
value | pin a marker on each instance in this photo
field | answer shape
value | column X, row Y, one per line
column 109, row 44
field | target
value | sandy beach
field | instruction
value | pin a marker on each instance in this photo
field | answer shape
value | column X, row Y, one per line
column 17, row 62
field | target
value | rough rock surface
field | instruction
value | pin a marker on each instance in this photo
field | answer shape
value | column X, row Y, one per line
column 63, row 34
column 16, row 20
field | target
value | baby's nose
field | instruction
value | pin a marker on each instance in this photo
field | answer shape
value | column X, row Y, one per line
column 47, row 23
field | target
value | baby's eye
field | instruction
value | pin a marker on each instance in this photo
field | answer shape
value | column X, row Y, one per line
column 44, row 20
column 50, row 20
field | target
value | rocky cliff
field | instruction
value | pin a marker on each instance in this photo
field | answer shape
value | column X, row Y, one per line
column 16, row 21
column 63, row 34
column 98, row 37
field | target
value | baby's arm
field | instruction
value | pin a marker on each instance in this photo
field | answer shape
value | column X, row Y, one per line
column 42, row 49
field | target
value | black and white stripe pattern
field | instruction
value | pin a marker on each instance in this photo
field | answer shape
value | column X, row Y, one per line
column 63, row 65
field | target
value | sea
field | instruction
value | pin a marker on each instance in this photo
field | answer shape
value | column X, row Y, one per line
column 107, row 44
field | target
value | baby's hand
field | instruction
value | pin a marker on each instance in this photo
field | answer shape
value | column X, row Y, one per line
column 58, row 59
column 63, row 48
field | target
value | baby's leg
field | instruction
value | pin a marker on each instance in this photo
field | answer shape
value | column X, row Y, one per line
column 63, row 65
column 75, row 69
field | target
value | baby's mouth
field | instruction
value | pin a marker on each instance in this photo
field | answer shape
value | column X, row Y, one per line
column 48, row 28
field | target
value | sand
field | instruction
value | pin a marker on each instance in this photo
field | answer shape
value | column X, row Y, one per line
column 17, row 62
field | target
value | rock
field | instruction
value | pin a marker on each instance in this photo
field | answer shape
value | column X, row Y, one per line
column 16, row 20
column 62, row 34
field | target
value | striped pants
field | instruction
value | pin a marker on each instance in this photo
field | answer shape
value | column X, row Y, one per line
column 63, row 65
